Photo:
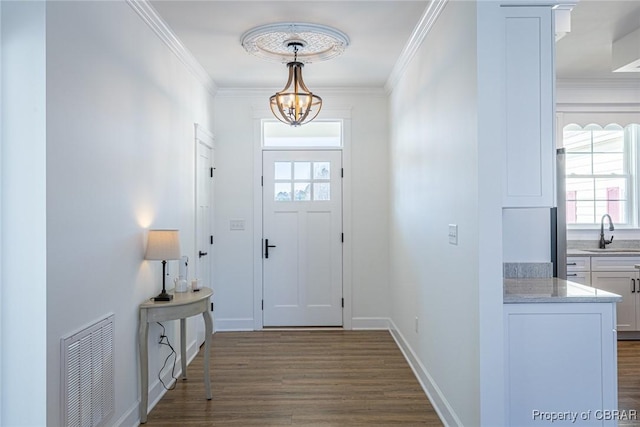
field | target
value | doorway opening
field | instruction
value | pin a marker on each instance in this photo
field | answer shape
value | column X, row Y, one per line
column 301, row 224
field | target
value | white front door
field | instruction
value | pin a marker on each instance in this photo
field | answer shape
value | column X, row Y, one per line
column 302, row 238
column 204, row 212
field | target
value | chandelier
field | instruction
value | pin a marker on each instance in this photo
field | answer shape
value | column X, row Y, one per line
column 295, row 104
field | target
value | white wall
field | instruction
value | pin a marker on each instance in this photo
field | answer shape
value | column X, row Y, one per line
column 235, row 117
column 121, row 109
column 23, row 310
column 446, row 169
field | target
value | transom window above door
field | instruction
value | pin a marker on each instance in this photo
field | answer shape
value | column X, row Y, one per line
column 317, row 134
column 302, row 181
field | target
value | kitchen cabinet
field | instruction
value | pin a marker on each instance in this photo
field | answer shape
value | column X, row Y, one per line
column 560, row 352
column 614, row 274
column 529, row 76
column 626, row 285
column 579, row 270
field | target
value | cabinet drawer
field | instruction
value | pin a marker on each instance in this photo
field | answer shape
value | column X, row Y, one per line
column 578, row 263
column 582, row 277
column 614, row 263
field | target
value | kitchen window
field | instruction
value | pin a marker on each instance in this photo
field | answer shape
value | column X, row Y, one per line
column 601, row 173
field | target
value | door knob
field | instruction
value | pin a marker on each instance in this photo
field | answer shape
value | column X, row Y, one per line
column 201, row 254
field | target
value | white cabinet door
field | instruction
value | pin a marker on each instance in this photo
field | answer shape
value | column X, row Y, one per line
column 582, row 277
column 560, row 357
column 579, row 263
column 529, row 107
column 626, row 285
column 614, row 263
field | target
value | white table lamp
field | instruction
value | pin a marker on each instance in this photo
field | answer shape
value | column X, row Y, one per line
column 163, row 245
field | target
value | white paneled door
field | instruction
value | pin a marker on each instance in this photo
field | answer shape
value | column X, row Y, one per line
column 204, row 210
column 302, row 238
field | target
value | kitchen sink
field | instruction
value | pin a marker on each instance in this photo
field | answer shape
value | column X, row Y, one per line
column 612, row 250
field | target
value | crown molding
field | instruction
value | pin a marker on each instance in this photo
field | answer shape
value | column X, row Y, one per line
column 429, row 17
column 151, row 17
column 320, row 91
column 625, row 83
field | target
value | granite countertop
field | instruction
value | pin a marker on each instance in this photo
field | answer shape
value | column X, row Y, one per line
column 603, row 252
column 553, row 290
column 590, row 248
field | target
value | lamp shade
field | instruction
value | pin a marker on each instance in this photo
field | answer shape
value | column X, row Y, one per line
column 163, row 245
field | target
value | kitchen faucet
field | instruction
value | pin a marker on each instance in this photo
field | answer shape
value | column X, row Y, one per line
column 603, row 242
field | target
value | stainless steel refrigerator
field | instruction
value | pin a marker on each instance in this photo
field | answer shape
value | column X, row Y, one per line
column 559, row 220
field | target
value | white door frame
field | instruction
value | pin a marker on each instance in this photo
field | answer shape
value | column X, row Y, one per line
column 205, row 138
column 343, row 115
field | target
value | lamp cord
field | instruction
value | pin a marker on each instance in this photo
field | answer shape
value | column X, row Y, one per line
column 164, row 340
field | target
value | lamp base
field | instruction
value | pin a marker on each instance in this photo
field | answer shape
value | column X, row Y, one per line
column 163, row 297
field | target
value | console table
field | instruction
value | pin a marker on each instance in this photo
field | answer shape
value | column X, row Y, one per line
column 183, row 305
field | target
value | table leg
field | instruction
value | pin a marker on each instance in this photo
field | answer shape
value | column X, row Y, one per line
column 208, row 332
column 143, row 333
column 183, row 347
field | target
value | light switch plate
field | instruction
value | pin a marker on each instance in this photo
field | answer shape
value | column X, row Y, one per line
column 236, row 224
column 453, row 234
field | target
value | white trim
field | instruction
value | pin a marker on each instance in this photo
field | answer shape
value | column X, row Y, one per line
column 621, row 83
column 243, row 92
column 370, row 323
column 343, row 114
column 238, row 324
column 151, row 17
column 428, row 19
column 205, row 138
column 436, row 397
column 131, row 417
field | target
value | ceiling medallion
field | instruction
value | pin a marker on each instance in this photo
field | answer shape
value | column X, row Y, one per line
column 318, row 42
column 295, row 104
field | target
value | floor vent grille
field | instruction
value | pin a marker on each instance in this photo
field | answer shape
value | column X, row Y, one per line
column 87, row 372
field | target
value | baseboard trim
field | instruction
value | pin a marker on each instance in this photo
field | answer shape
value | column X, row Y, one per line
column 375, row 323
column 438, row 401
column 229, row 325
column 156, row 391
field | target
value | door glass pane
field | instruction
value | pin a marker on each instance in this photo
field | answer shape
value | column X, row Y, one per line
column 282, row 191
column 321, row 170
column 321, row 191
column 302, row 191
column 302, row 170
column 282, row 170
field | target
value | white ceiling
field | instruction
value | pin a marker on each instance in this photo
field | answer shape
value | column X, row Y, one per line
column 379, row 30
column 585, row 53
column 211, row 30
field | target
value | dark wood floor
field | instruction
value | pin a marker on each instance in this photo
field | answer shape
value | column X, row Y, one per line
column 303, row 378
column 629, row 380
column 330, row 378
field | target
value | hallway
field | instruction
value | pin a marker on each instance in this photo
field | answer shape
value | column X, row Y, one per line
column 278, row 378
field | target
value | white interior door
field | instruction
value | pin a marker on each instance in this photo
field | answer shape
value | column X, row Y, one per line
column 302, row 227
column 204, row 212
